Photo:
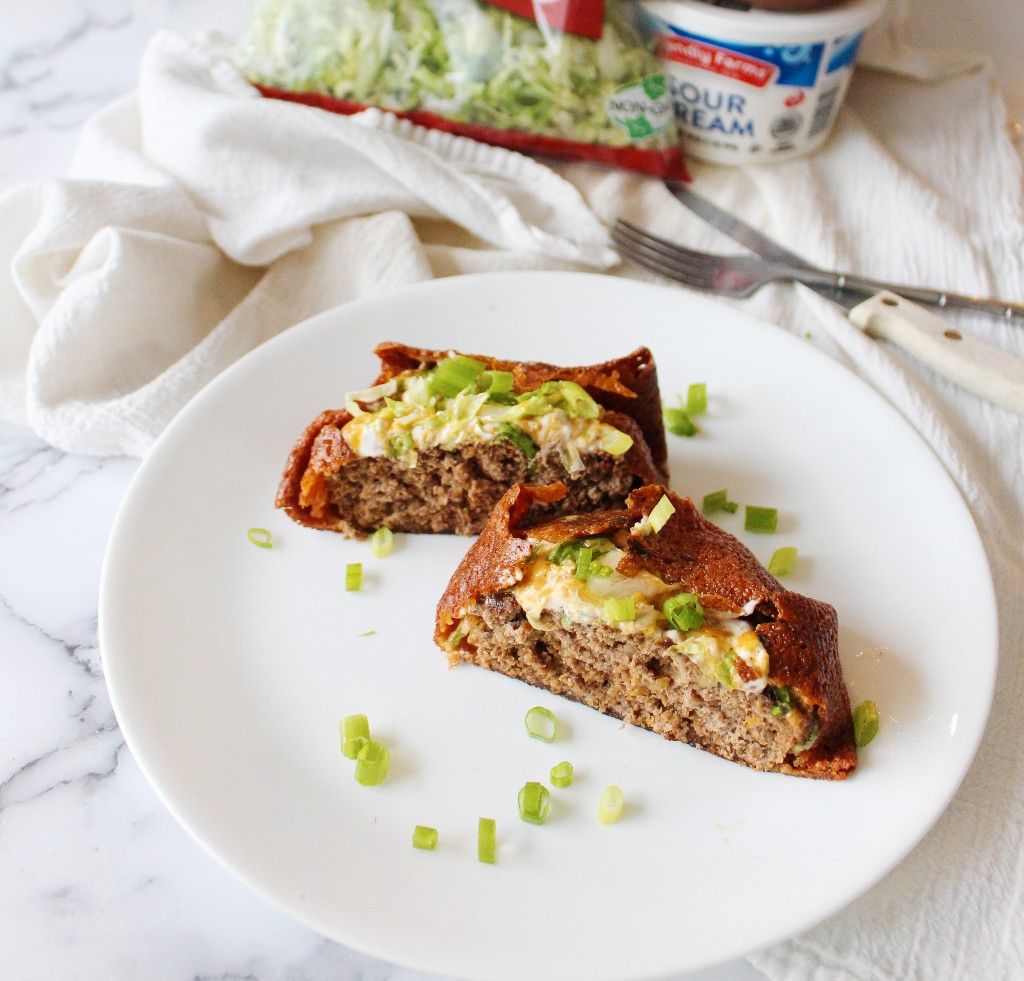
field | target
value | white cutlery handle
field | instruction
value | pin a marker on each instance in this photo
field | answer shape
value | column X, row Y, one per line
column 972, row 363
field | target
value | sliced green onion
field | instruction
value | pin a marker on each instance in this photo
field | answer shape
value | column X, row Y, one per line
column 679, row 423
column 783, row 699
column 355, row 734
column 260, row 537
column 865, row 723
column 425, row 838
column 564, row 551
column 809, row 741
column 561, row 774
column 615, row 442
column 762, row 520
column 519, row 438
column 619, row 610
column 542, row 724
column 662, row 511
column 372, row 763
column 353, row 577
column 457, row 636
column 697, row 399
column 496, row 382
column 534, row 803
column 399, row 445
column 783, row 561
column 583, row 563
column 609, row 809
column 454, row 374
column 718, row 501
column 382, row 543
column 577, row 401
column 367, row 633
column 486, row 844
column 684, row 612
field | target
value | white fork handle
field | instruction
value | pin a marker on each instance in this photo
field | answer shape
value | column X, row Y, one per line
column 972, row 363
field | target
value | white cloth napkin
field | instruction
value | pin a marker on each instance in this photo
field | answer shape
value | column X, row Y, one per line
column 202, row 220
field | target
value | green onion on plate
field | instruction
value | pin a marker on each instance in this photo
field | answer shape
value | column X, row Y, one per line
column 372, row 763
column 684, row 612
column 355, row 734
column 534, row 803
column 486, row 844
column 353, row 577
column 761, row 520
column 783, row 561
column 260, row 537
column 561, row 774
column 541, row 724
column 619, row 610
column 609, row 808
column 865, row 723
column 424, row 838
column 382, row 543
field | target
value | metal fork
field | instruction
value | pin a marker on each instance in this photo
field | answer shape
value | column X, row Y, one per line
column 742, row 275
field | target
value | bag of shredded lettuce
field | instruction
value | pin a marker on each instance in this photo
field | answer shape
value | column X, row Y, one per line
column 570, row 78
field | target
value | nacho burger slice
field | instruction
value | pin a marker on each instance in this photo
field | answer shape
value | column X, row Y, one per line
column 654, row 615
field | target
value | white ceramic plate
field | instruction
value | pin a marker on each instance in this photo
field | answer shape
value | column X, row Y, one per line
column 230, row 666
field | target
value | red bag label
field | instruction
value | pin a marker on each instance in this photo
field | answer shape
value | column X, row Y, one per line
column 583, row 17
column 721, row 61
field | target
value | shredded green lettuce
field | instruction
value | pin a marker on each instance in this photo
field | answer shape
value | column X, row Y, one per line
column 467, row 60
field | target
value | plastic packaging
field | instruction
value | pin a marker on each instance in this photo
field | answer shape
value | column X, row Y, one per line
column 571, row 78
column 753, row 86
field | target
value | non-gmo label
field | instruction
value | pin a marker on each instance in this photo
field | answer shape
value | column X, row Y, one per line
column 642, row 108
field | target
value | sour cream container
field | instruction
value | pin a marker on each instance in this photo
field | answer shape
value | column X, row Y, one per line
column 754, row 86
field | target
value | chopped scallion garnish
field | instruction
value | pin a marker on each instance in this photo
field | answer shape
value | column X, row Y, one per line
column 783, row 561
column 724, row 670
column 697, row 399
column 519, row 438
column 372, row 763
column 684, row 612
column 609, row 809
column 457, row 636
column 542, row 724
column 534, row 803
column 865, row 723
column 619, row 610
column 561, row 774
column 783, row 699
column 718, row 501
column 616, row 442
column 660, row 514
column 260, row 537
column 496, row 382
column 486, row 840
column 383, row 542
column 679, row 423
column 583, row 562
column 810, row 740
column 454, row 374
column 425, row 838
column 355, row 734
column 761, row 520
column 367, row 633
column 353, row 577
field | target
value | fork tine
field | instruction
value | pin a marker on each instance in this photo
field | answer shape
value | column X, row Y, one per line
column 674, row 251
column 643, row 254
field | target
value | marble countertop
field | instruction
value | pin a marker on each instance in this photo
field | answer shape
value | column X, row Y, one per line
column 99, row 881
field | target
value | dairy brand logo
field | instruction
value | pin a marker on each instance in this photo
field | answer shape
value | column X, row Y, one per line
column 641, row 109
column 731, row 64
column 757, row 65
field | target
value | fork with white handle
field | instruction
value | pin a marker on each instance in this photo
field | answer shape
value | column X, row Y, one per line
column 969, row 361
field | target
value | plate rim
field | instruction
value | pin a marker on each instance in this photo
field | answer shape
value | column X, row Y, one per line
column 395, row 955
